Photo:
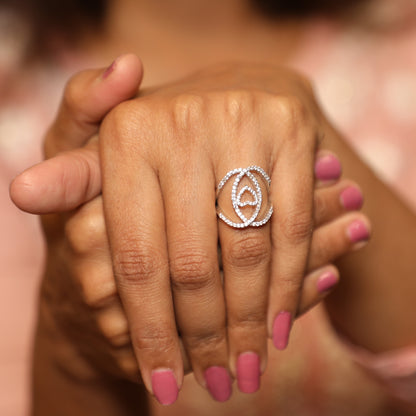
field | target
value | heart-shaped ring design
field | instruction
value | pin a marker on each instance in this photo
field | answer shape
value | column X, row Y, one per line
column 236, row 198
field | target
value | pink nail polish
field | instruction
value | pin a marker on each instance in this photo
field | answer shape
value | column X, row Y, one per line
column 328, row 168
column 281, row 330
column 358, row 231
column 164, row 386
column 351, row 198
column 248, row 372
column 109, row 70
column 218, row 383
column 326, row 281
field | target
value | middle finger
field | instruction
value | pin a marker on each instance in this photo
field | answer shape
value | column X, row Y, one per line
column 191, row 226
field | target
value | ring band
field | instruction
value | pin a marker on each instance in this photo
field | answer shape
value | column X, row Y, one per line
column 236, row 198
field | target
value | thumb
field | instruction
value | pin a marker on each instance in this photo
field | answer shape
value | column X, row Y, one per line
column 61, row 183
column 88, row 97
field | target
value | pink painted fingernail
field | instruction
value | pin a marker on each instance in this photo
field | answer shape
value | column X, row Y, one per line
column 109, row 70
column 351, row 198
column 358, row 231
column 281, row 330
column 327, row 168
column 248, row 372
column 326, row 281
column 164, row 386
column 218, row 383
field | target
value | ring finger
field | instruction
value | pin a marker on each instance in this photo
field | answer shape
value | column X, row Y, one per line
column 246, row 264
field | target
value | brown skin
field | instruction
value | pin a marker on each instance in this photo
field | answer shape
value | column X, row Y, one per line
column 84, row 245
column 374, row 304
column 349, row 313
column 351, row 309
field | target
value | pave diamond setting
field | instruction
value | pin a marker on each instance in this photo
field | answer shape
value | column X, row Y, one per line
column 237, row 196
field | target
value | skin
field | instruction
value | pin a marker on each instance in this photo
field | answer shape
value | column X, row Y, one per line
column 354, row 308
column 50, row 182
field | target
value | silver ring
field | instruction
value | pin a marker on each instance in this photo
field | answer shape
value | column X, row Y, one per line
column 252, row 173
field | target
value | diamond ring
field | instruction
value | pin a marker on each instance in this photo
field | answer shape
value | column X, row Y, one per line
column 246, row 195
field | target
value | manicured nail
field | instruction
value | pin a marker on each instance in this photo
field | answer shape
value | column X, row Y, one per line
column 351, row 198
column 358, row 231
column 164, row 386
column 218, row 383
column 326, row 281
column 281, row 330
column 109, row 70
column 248, row 372
column 327, row 168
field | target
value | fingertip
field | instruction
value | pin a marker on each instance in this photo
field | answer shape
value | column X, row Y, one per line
column 164, row 386
column 327, row 167
column 359, row 231
column 123, row 77
column 21, row 191
column 327, row 280
column 34, row 190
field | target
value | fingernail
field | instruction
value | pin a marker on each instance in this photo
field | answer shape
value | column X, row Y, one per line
column 109, row 70
column 351, row 198
column 281, row 330
column 218, row 383
column 326, row 281
column 358, row 231
column 248, row 372
column 327, row 168
column 164, row 386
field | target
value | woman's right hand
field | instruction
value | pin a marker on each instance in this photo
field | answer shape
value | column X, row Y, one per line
column 90, row 256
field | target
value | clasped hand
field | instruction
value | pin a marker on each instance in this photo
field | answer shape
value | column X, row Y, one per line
column 162, row 154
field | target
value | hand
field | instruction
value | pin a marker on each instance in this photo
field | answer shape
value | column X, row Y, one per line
column 87, row 98
column 77, row 237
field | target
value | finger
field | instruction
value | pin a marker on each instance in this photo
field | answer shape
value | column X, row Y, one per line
column 292, row 194
column 246, row 255
column 87, row 98
column 316, row 286
column 332, row 201
column 191, row 226
column 59, row 184
column 113, row 325
column 136, row 229
column 347, row 233
column 327, row 168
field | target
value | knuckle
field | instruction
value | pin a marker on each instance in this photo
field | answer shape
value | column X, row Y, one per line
column 293, row 109
column 297, row 226
column 113, row 325
column 290, row 287
column 191, row 270
column 247, row 251
column 249, row 320
column 137, row 263
column 96, row 291
column 154, row 340
column 117, row 340
column 290, row 112
column 85, row 231
column 128, row 365
column 237, row 105
column 208, row 341
column 187, row 110
column 120, row 127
